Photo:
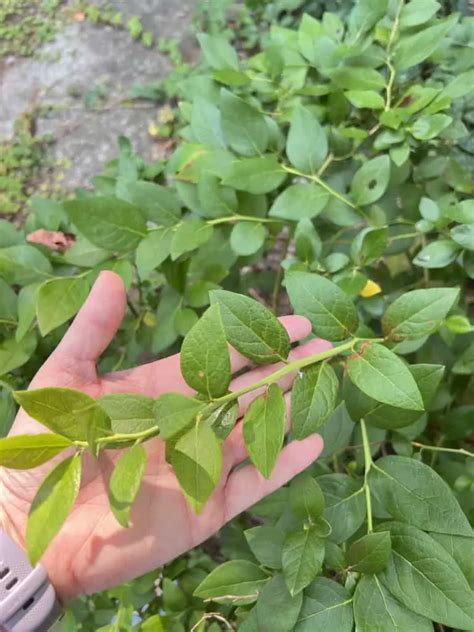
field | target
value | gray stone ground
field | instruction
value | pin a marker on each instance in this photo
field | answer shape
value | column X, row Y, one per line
column 84, row 56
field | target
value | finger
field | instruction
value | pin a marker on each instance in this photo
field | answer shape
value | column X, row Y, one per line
column 161, row 376
column 97, row 321
column 247, row 486
column 310, row 348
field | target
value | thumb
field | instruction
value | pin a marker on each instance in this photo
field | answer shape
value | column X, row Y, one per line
column 97, row 321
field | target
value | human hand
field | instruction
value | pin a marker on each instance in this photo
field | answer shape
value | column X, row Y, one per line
column 92, row 552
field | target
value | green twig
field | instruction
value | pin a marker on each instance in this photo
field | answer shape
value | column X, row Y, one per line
column 279, row 278
column 289, row 367
column 391, row 69
column 243, row 218
column 368, row 464
column 322, row 184
column 296, row 365
column 434, row 448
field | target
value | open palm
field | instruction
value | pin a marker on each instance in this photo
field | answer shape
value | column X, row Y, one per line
column 92, row 552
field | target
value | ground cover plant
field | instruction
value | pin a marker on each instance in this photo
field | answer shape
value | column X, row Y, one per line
column 328, row 174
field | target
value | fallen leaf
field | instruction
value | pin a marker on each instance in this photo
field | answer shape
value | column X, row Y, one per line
column 55, row 240
column 370, row 289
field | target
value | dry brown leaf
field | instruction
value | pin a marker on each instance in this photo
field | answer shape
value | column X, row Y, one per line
column 53, row 239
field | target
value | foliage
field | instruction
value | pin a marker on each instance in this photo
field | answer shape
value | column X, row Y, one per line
column 341, row 150
column 26, row 24
column 20, row 160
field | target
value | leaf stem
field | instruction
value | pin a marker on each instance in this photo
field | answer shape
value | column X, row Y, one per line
column 322, row 184
column 435, row 448
column 325, row 165
column 243, row 218
column 368, row 464
column 296, row 365
column 289, row 367
column 392, row 72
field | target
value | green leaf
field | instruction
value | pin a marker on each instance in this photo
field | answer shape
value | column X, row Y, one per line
column 67, row 412
column 418, row 313
column 464, row 235
column 380, row 374
column 376, row 609
column 437, row 254
column 308, row 244
column 464, row 365
column 8, row 302
column 247, row 238
column 302, row 558
column 152, row 624
column 125, row 483
column 237, row 582
column 197, row 463
column 369, row 245
column 365, row 99
column 14, row 354
column 354, row 78
column 244, row 127
column 108, row 222
column 223, row 419
column 306, row 497
column 184, row 320
column 206, row 123
column 266, row 544
column 217, row 51
column 345, row 506
column 205, row 361
column 413, row 492
column 371, row 180
column 215, row 200
column 188, row 236
column 426, row 579
column 159, row 204
column 313, row 399
column 418, row 12
column 23, row 265
column 370, row 554
column 307, row 144
column 129, row 413
column 252, row 328
column 255, row 175
column 459, row 548
column 326, row 606
column 429, row 126
column 51, row 505
column 277, row 610
column 413, row 49
column 329, row 309
column 264, row 429
column 58, row 300
column 23, row 452
column 174, row 412
column 427, row 378
column 231, row 77
column 152, row 251
column 337, row 431
column 300, row 201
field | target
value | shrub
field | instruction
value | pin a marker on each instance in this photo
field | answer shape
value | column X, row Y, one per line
column 332, row 168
